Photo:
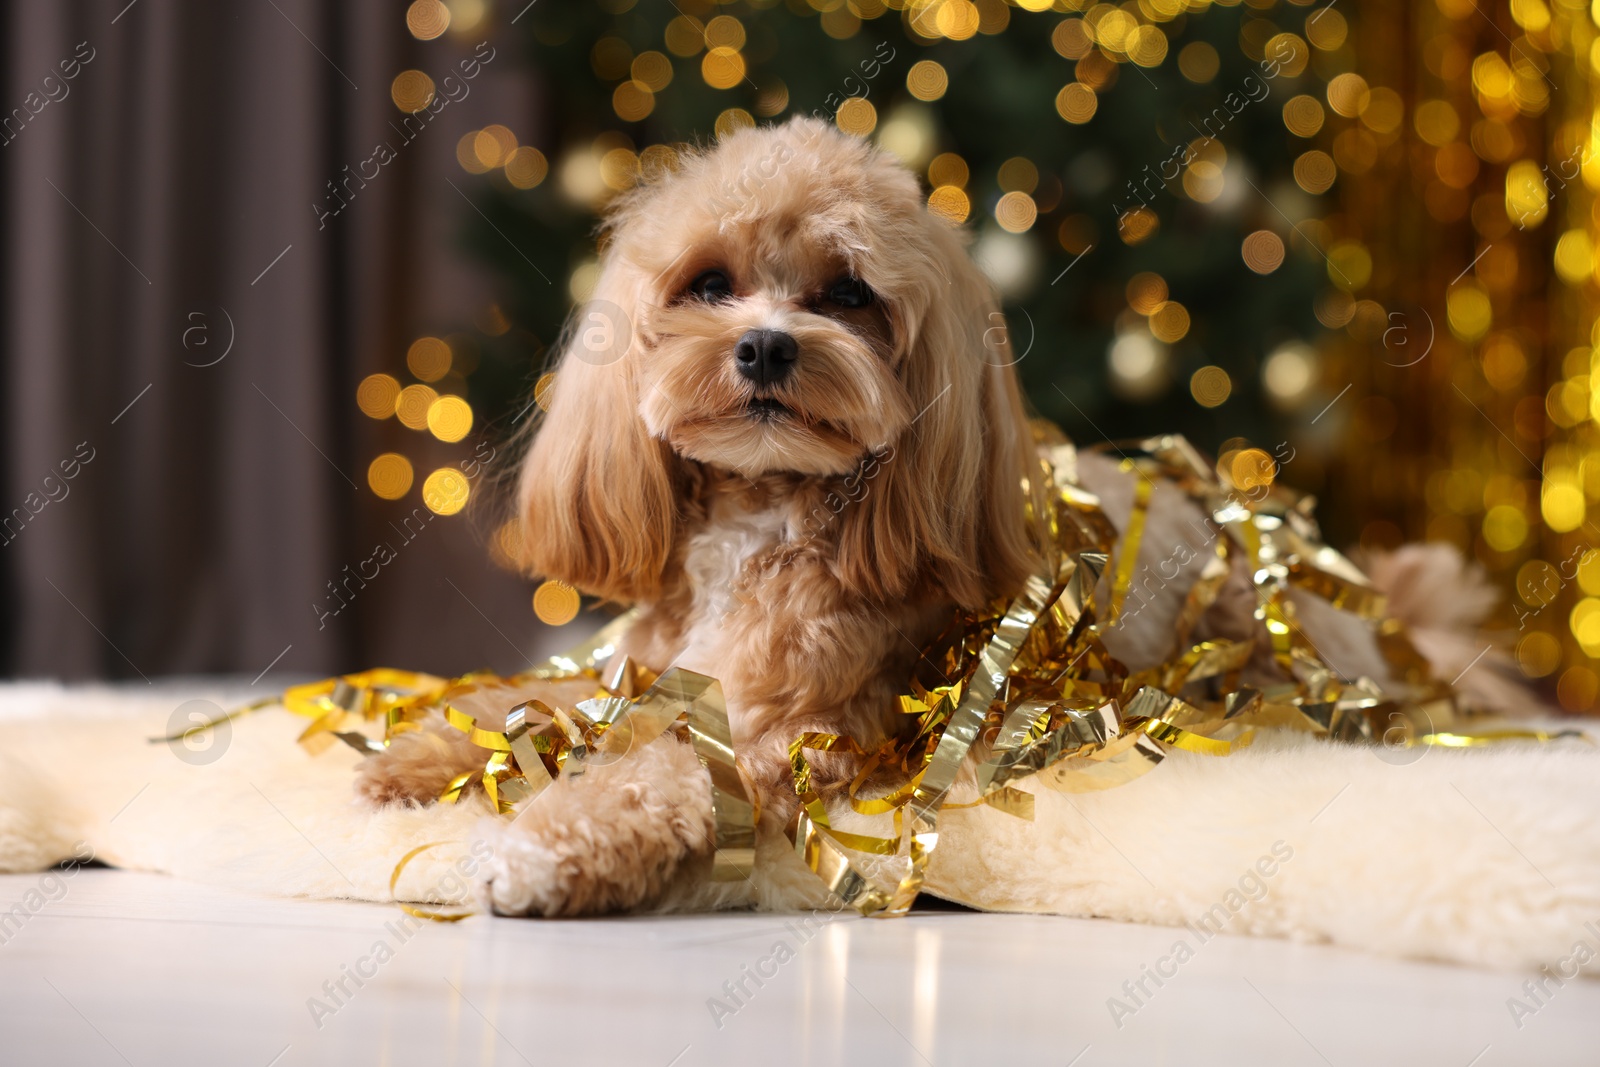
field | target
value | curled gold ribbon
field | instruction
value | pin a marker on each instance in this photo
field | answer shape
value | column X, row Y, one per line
column 1028, row 691
column 431, row 914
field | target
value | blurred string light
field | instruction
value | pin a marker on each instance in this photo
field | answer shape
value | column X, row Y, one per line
column 526, row 167
column 951, row 203
column 579, row 177
column 737, row 118
column 428, row 358
column 927, row 80
column 652, row 70
column 1303, row 115
column 1009, row 259
column 856, row 115
column 1314, row 171
column 435, row 401
column 1345, row 127
column 376, row 396
column 449, row 418
column 493, row 145
column 446, row 491
column 619, row 166
column 389, row 476
column 910, row 134
column 1203, row 177
column 1493, row 135
column 1262, row 251
column 411, row 406
column 427, row 19
column 466, row 16
column 772, row 98
column 1138, row 366
column 505, row 546
column 1210, row 386
column 1288, row 374
column 584, row 277
column 556, row 603
column 1198, row 62
column 1169, row 321
column 1146, row 291
column 541, row 390
column 418, row 406
column 1077, row 103
column 948, row 168
column 947, row 176
column 722, row 67
column 1137, row 225
column 1247, row 469
column 411, row 91
column 1016, row 211
column 707, row 45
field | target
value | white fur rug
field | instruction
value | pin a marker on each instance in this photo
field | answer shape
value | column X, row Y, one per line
column 1486, row 856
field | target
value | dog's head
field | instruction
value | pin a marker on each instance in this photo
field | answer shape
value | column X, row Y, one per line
column 785, row 303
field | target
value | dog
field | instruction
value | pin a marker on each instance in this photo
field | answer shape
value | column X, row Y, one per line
column 789, row 430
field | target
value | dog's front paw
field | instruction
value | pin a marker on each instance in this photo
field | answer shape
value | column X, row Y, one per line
column 606, row 842
column 528, row 876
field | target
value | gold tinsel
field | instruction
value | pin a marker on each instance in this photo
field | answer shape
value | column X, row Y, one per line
column 1025, row 691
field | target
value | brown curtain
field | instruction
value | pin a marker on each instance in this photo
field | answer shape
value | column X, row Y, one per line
column 158, row 206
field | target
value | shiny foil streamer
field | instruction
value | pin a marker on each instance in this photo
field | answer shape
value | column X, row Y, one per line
column 1035, row 697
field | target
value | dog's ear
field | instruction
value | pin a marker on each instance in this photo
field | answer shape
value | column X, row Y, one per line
column 946, row 510
column 597, row 494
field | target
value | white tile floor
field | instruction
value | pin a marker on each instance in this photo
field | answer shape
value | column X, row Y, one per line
column 147, row 970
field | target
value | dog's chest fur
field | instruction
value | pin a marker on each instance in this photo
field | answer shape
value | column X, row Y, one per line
column 722, row 560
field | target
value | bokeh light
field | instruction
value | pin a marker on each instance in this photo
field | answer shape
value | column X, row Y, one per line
column 722, row 68
column 541, row 390
column 927, row 80
column 449, row 418
column 446, row 491
column 428, row 358
column 950, row 203
column 389, row 476
column 1077, row 103
column 411, row 91
column 1210, row 386
column 1198, row 62
column 412, row 405
column 947, row 168
column 1016, row 212
column 376, row 396
column 685, row 36
column 526, row 167
column 1146, row 291
column 857, row 116
column 1262, row 251
column 556, row 603
column 1169, row 321
column 493, row 145
column 427, row 19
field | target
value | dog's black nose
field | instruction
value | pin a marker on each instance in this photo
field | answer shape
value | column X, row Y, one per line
column 765, row 356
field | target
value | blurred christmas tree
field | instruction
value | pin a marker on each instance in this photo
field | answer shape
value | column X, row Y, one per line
column 1140, row 181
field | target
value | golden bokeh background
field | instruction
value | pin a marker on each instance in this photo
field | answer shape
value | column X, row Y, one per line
column 1441, row 166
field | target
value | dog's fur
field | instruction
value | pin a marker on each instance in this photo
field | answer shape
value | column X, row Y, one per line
column 802, row 558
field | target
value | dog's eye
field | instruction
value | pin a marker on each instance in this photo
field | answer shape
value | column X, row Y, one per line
column 850, row 293
column 711, row 286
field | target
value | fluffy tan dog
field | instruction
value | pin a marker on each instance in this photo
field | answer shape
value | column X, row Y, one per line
column 787, row 426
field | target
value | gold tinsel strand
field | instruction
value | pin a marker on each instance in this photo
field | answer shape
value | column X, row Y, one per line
column 1025, row 691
